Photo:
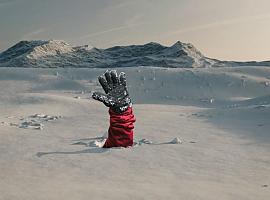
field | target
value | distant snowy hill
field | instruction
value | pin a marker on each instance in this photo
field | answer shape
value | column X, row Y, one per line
column 56, row 53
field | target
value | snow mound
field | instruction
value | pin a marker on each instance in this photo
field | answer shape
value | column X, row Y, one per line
column 176, row 141
column 50, row 48
column 35, row 121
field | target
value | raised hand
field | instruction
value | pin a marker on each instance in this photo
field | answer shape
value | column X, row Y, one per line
column 115, row 87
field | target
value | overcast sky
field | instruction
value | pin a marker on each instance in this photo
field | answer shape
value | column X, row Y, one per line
column 223, row 29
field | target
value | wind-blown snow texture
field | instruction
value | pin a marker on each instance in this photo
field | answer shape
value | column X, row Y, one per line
column 56, row 53
column 51, row 132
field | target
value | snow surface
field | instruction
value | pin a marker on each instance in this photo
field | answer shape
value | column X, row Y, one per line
column 200, row 134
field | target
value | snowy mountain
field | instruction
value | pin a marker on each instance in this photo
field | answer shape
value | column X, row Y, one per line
column 56, row 53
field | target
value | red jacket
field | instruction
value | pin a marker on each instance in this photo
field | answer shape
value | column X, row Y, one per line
column 120, row 133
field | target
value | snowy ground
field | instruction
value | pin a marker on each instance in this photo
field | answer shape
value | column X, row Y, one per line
column 49, row 126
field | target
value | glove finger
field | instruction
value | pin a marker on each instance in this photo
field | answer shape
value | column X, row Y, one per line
column 104, row 84
column 103, row 98
column 99, row 96
column 122, row 79
column 115, row 78
column 108, row 77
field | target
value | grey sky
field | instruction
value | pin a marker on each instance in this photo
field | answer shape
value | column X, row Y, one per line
column 223, row 29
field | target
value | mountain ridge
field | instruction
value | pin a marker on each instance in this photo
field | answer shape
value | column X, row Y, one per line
column 58, row 53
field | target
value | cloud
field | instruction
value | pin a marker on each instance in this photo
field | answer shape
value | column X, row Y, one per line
column 119, row 5
column 216, row 24
column 34, row 33
column 117, row 41
column 6, row 2
column 127, row 26
column 135, row 19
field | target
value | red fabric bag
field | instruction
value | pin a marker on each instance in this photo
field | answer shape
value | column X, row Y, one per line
column 120, row 133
